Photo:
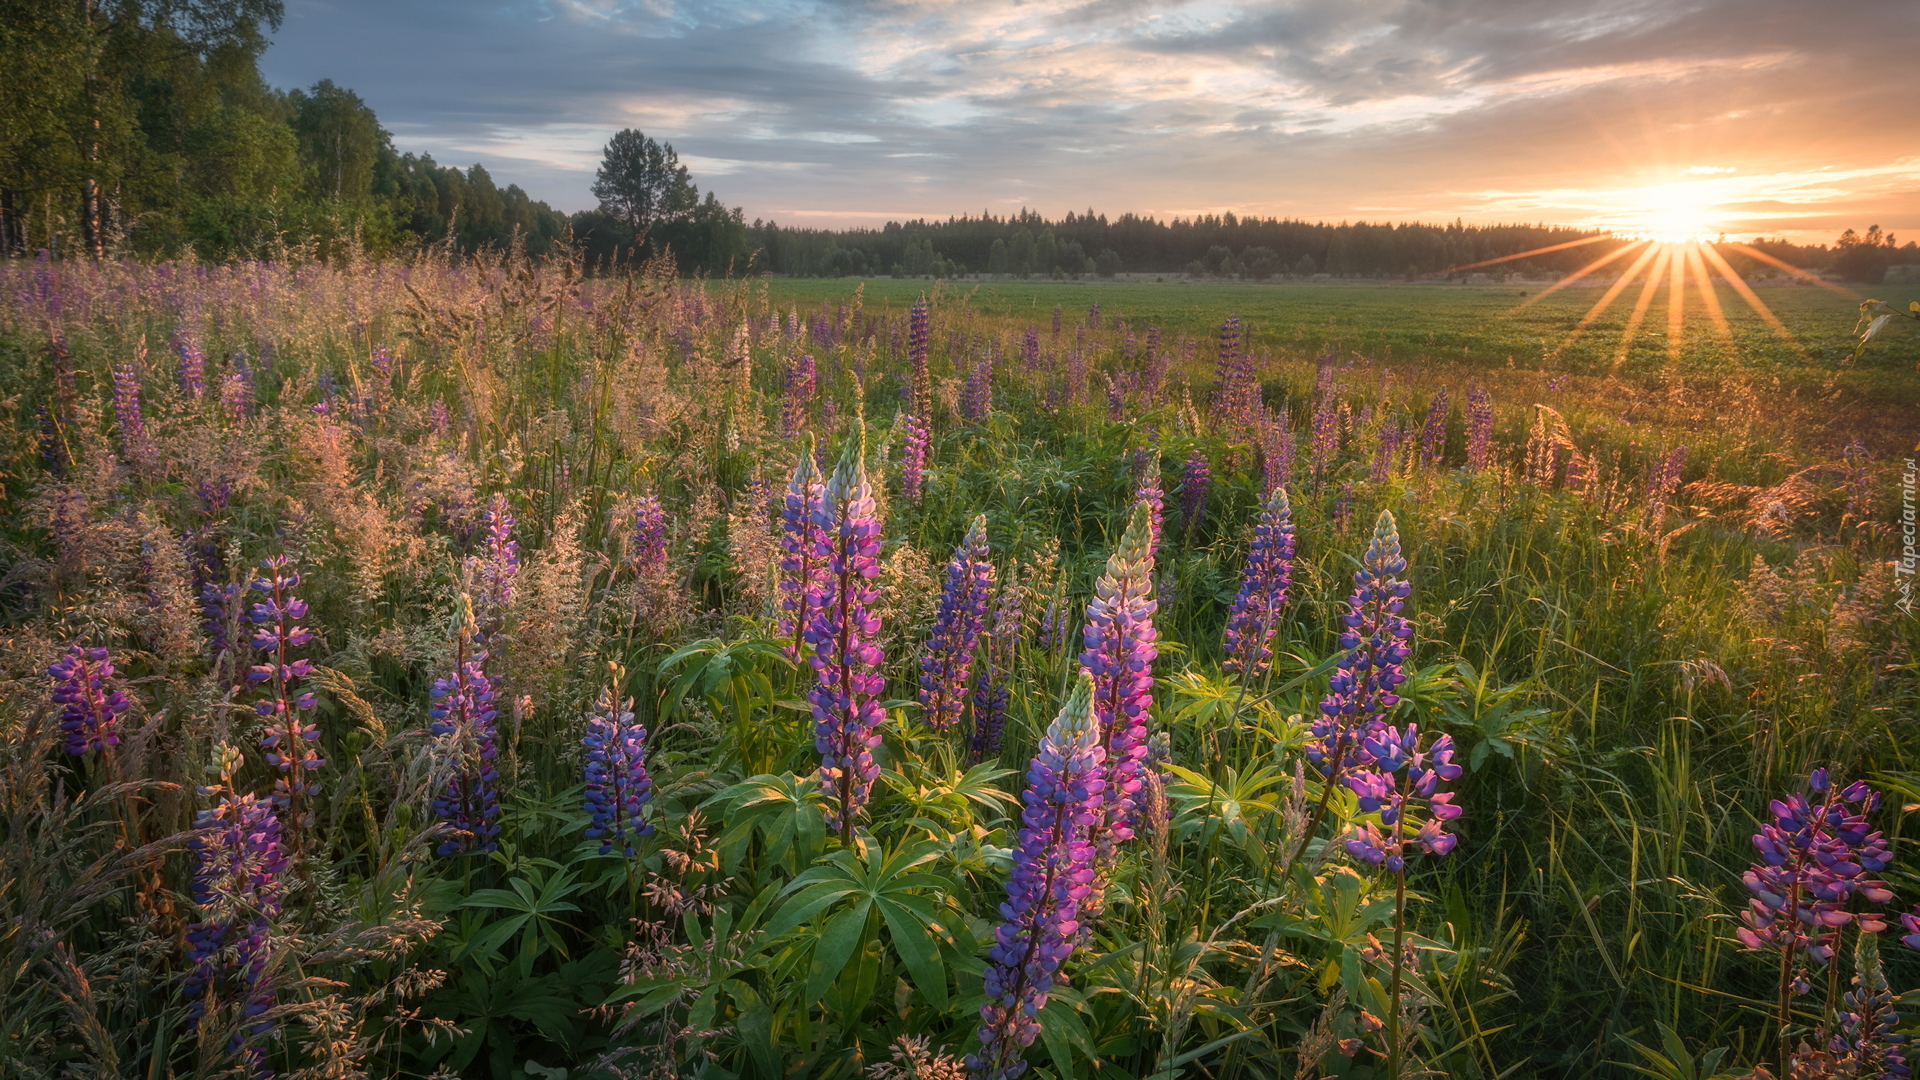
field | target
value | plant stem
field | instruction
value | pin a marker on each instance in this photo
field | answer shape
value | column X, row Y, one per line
column 1393, row 994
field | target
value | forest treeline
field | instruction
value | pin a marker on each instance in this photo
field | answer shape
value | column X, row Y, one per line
column 145, row 127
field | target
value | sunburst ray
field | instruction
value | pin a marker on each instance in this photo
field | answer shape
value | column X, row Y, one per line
column 1606, row 300
column 1753, row 301
column 1577, row 275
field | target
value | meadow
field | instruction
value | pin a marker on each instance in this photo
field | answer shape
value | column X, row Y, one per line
column 477, row 669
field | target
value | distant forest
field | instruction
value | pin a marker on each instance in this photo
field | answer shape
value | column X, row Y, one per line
column 144, row 127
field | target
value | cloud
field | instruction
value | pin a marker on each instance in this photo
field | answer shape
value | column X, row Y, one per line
column 861, row 110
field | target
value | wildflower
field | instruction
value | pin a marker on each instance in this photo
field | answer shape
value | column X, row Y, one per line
column 1276, row 450
column 238, row 863
column 277, row 631
column 649, row 536
column 1433, row 432
column 843, row 630
column 1815, row 854
column 919, row 335
column 801, row 573
column 493, row 573
column 797, row 395
column 1386, row 453
column 996, row 668
column 1479, row 427
column 1375, row 648
column 1052, row 874
column 1118, row 652
column 1255, row 613
column 1146, row 462
column 1326, row 434
column 1154, row 372
column 1236, row 393
column 1401, row 783
column 1030, row 349
column 90, row 712
column 193, row 361
column 1664, row 477
column 913, row 458
column 976, row 399
column 1196, row 477
column 463, row 720
column 126, row 412
column 947, row 664
column 618, row 786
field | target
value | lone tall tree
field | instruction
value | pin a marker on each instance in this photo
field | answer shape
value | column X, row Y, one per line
column 642, row 182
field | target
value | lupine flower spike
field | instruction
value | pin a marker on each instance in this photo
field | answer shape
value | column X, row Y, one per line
column 913, row 457
column 801, row 571
column 1196, row 477
column 618, row 787
column 493, row 573
column 649, row 536
column 89, row 710
column 288, row 737
column 1147, row 462
column 1118, row 652
column 996, row 666
column 463, row 721
column 947, row 664
column 238, row 864
column 1255, row 613
column 1052, row 876
column 841, row 628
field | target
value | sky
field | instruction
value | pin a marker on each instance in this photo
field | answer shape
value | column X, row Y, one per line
column 1746, row 117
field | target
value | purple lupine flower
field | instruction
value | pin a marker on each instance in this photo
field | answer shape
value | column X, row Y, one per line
column 990, row 692
column 1154, row 372
column 649, row 536
column 1236, row 392
column 1815, row 854
column 843, row 630
column 1053, row 871
column 238, row 864
column 286, row 735
column 1255, row 613
column 492, row 574
column 1664, row 478
column 976, row 399
column 463, row 721
column 193, row 361
column 618, row 787
column 89, row 710
column 1479, row 427
column 919, row 335
column 1052, row 631
column 441, row 419
column 1116, row 399
column 1118, row 650
column 913, row 458
column 1387, row 453
column 947, row 664
column 1376, row 643
column 126, row 411
column 1276, row 451
column 1196, row 477
column 802, row 575
column 1326, row 435
column 1400, row 782
column 1146, row 463
column 1343, row 506
column 1433, row 432
column 1093, row 317
column 1868, row 1043
column 797, row 396
column 236, row 390
column 1030, row 349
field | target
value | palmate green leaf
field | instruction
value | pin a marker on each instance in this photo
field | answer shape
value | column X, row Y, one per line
column 838, row 941
column 909, row 922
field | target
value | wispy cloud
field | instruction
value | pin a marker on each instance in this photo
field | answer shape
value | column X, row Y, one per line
column 867, row 109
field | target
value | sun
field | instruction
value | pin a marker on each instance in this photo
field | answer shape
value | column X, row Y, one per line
column 1671, row 214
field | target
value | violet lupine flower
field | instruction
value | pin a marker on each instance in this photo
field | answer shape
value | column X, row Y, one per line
column 1814, row 856
column 1868, row 1043
column 1236, row 390
column 236, row 391
column 1343, row 506
column 1118, row 650
column 1911, row 924
column 1093, row 317
column 126, row 411
column 618, row 786
column 1376, row 644
column 89, row 711
column 238, row 863
column 1053, row 871
column 802, row 575
column 1479, row 427
column 1154, row 371
column 1146, row 463
column 1433, row 432
column 1386, row 453
column 440, row 418
column 947, row 664
column 798, row 395
column 493, row 573
column 1276, row 451
column 1052, row 631
column 913, row 458
column 976, row 398
column 1326, row 434
column 193, row 361
column 649, row 535
column 1255, row 613
column 1664, row 478
column 463, row 720
column 1030, row 349
column 996, row 668
column 286, row 735
column 843, row 630
column 1196, row 477
column 919, row 335
column 1401, row 782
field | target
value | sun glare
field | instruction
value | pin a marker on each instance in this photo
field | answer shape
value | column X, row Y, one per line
column 1671, row 214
